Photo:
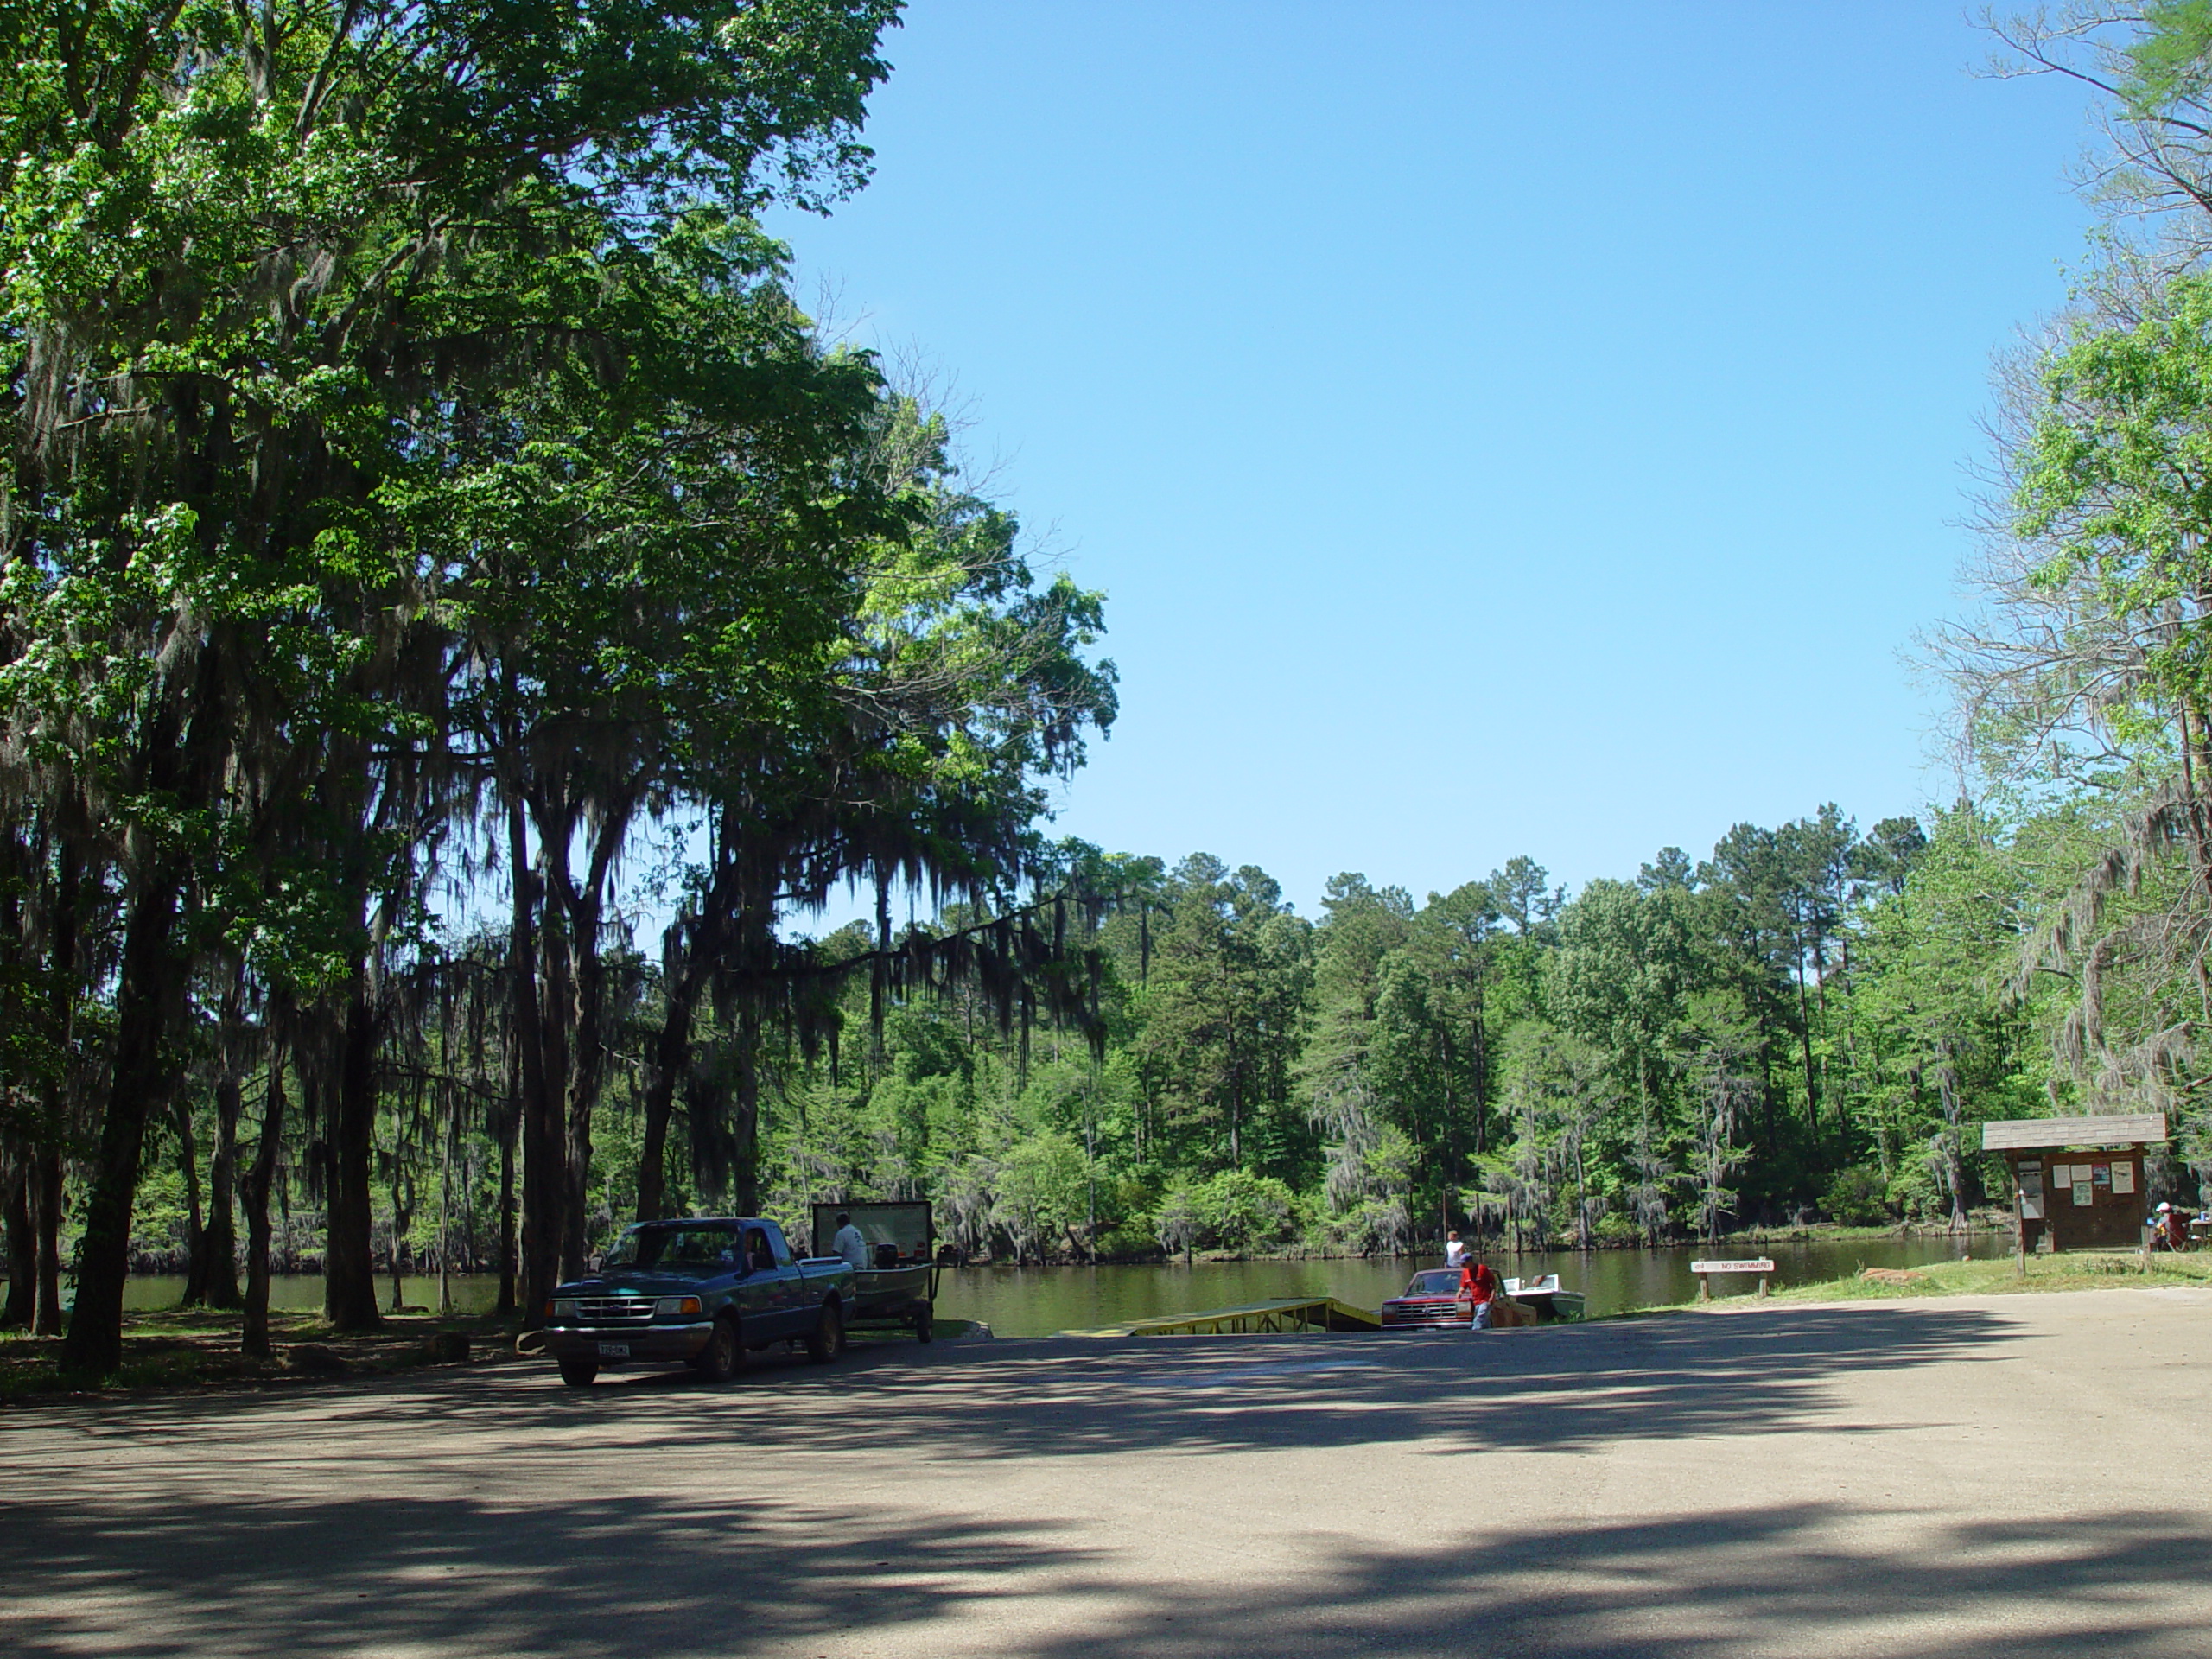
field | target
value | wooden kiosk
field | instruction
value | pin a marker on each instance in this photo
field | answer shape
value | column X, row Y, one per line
column 2078, row 1181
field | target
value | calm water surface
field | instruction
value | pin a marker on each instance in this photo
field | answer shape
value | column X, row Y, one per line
column 1037, row 1301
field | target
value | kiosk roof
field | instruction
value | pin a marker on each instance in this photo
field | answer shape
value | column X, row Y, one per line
column 2032, row 1134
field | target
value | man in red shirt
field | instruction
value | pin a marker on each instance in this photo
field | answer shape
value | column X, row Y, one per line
column 1478, row 1284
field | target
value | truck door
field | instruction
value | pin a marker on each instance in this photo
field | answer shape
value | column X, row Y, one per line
column 777, row 1279
column 756, row 1293
column 798, row 1300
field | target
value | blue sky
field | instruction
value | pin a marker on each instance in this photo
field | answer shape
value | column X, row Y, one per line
column 1496, row 429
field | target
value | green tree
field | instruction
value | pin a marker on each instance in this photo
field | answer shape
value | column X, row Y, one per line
column 1624, row 962
column 1224, row 1012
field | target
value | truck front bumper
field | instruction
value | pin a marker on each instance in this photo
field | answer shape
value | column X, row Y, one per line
column 623, row 1344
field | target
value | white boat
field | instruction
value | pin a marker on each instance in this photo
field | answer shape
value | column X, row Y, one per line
column 1544, row 1296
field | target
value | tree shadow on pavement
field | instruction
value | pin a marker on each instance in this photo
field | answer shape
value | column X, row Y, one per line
column 1748, row 1584
column 570, row 1575
column 600, row 1579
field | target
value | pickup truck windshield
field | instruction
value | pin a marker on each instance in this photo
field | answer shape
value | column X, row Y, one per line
column 702, row 1249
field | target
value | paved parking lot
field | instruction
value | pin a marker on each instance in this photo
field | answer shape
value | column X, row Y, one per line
column 1999, row 1476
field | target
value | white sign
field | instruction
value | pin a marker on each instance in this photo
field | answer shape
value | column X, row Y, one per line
column 1761, row 1265
column 2123, row 1180
column 2084, row 1195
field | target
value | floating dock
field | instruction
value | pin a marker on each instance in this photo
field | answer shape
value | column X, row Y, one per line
column 1286, row 1316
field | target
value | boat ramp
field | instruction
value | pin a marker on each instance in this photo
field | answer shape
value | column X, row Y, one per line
column 1283, row 1316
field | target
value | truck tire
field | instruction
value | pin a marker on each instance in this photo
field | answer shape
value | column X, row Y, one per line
column 578, row 1373
column 724, row 1354
column 922, row 1320
column 828, row 1340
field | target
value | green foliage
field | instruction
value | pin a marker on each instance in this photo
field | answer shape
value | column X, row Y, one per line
column 1857, row 1197
column 1242, row 1213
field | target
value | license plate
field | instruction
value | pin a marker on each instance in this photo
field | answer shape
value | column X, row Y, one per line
column 615, row 1351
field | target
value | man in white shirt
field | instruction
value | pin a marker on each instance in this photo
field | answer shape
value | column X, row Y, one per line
column 848, row 1243
column 1455, row 1253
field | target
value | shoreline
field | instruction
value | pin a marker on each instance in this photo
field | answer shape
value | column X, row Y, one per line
column 1971, row 1276
column 1822, row 1232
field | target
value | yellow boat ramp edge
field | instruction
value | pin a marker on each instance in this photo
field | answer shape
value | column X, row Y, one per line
column 1284, row 1316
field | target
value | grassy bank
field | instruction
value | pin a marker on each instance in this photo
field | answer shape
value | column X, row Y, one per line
column 2001, row 1276
column 196, row 1350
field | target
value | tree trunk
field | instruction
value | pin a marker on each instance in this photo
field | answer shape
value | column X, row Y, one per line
column 255, row 1187
column 1805, row 1038
column 1581, row 1198
column 1953, row 1164
column 1480, row 1054
column 1766, row 1071
column 140, row 1081
column 47, row 1182
column 22, row 1241
column 509, row 1122
column 745, row 1173
column 196, row 1232
column 403, row 1218
column 448, row 1131
column 349, row 1274
column 48, row 1187
column 671, row 1058
column 586, row 984
column 575, row 981
column 543, row 1177
column 220, row 1244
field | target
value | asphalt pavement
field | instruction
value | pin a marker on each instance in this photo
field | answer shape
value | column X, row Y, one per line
column 1998, row 1476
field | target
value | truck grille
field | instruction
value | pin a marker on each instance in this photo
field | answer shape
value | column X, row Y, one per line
column 615, row 1309
column 1433, row 1316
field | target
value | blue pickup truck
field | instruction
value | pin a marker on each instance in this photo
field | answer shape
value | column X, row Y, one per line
column 704, row 1291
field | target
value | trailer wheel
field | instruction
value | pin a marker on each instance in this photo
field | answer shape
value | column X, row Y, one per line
column 922, row 1328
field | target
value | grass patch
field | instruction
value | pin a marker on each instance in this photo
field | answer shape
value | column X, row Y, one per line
column 197, row 1349
column 2001, row 1276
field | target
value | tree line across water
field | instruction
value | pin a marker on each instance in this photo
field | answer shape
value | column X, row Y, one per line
column 456, row 613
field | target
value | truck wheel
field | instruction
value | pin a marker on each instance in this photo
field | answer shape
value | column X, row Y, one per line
column 829, row 1338
column 724, row 1354
column 922, row 1332
column 578, row 1373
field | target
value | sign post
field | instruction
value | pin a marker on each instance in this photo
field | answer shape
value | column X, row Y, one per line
column 1705, row 1270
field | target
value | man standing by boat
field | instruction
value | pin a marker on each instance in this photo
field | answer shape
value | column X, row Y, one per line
column 848, row 1243
column 1479, row 1285
column 1455, row 1253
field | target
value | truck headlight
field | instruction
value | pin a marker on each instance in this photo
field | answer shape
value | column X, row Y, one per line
column 565, row 1311
column 674, row 1307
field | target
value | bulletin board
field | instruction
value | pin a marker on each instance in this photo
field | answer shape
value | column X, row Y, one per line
column 2080, row 1200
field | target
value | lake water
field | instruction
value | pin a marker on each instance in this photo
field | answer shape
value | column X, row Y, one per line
column 1037, row 1301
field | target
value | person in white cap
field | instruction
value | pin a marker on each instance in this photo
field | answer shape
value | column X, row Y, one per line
column 2167, row 1232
